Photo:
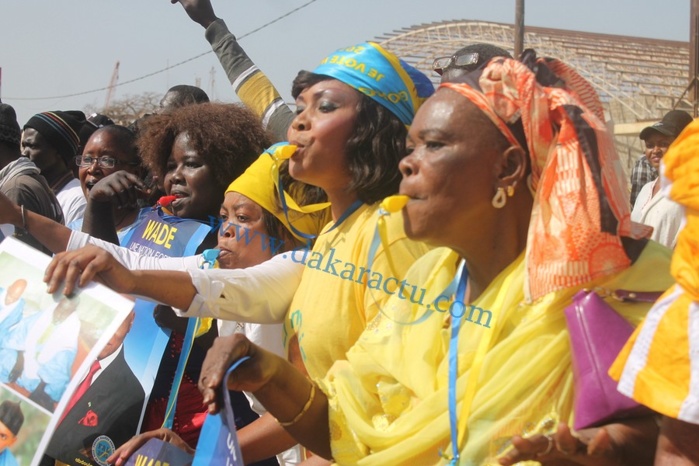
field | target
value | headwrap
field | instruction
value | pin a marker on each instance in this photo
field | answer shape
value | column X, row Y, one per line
column 581, row 208
column 60, row 129
column 11, row 415
column 260, row 184
column 380, row 75
column 9, row 128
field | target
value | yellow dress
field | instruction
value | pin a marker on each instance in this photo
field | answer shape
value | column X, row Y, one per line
column 388, row 399
column 339, row 293
column 659, row 367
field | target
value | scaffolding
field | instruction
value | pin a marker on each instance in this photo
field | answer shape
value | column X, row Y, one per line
column 638, row 79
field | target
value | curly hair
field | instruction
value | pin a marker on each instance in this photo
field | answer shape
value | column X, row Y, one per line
column 376, row 146
column 228, row 136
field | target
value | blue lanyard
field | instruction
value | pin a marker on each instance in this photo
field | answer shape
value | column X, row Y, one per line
column 454, row 361
column 350, row 210
column 209, row 256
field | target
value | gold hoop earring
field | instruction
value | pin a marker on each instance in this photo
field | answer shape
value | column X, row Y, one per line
column 511, row 189
column 499, row 199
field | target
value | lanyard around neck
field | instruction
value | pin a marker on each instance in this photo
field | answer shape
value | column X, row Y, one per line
column 454, row 359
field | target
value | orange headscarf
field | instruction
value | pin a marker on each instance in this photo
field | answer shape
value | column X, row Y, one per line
column 581, row 209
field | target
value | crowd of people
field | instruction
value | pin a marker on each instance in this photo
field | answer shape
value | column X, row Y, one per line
column 498, row 193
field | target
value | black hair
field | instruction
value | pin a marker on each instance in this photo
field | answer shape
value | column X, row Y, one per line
column 185, row 95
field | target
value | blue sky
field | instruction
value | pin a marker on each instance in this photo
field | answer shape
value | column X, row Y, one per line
column 53, row 48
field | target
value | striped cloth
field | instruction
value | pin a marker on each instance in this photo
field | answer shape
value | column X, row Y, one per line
column 659, row 367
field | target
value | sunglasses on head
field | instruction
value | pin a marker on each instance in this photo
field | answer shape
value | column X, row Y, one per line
column 459, row 61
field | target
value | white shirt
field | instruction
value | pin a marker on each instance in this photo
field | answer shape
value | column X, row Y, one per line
column 659, row 212
column 72, row 201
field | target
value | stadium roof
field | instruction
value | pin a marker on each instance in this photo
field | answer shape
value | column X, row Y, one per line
column 638, row 79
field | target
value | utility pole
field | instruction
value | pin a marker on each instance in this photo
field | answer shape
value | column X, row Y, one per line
column 694, row 56
column 519, row 27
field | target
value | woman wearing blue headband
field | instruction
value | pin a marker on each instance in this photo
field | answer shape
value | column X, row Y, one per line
column 348, row 136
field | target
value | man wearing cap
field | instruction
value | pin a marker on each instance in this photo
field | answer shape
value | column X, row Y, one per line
column 11, row 420
column 20, row 179
column 665, row 131
column 51, row 140
column 663, row 214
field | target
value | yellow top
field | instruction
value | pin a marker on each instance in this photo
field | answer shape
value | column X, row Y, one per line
column 339, row 294
column 388, row 399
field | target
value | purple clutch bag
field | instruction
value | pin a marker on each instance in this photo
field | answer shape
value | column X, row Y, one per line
column 597, row 335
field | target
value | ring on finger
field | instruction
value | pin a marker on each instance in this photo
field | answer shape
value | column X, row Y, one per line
column 548, row 448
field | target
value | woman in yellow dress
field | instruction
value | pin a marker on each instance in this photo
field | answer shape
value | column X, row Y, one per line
column 514, row 174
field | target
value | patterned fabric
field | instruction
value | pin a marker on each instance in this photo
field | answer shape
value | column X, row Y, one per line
column 380, row 75
column 659, row 367
column 581, row 208
column 643, row 172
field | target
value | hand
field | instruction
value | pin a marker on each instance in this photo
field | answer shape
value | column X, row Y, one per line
column 9, row 211
column 122, row 189
column 252, row 375
column 123, row 453
column 84, row 265
column 200, row 11
column 165, row 317
column 630, row 442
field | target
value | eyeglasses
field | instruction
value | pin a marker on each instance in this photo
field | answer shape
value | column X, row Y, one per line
column 442, row 63
column 104, row 162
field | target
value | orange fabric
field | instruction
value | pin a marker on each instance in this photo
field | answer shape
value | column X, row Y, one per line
column 581, row 208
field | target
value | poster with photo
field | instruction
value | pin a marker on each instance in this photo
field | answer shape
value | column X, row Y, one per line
column 48, row 346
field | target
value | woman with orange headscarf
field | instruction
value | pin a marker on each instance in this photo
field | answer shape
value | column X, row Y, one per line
column 515, row 174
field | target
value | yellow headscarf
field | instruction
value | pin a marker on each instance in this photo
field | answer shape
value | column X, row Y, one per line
column 259, row 183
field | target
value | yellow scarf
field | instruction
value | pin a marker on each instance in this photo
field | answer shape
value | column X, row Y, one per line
column 388, row 400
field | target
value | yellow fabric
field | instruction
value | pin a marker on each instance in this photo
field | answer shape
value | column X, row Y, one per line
column 331, row 308
column 655, row 367
column 388, row 398
column 257, row 93
column 259, row 183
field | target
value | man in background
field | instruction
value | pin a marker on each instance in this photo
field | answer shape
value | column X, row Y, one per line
column 657, row 138
column 51, row 140
column 20, row 179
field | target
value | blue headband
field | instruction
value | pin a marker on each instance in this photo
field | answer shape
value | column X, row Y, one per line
column 380, row 75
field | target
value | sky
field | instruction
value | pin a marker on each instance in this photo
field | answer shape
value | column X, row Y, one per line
column 54, row 48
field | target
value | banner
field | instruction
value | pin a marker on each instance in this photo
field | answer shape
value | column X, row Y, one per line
column 47, row 343
column 111, row 411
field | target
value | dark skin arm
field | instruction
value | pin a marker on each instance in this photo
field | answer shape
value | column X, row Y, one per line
column 113, row 198
column 200, row 11
column 677, row 445
column 51, row 234
column 122, row 454
column 281, row 388
column 81, row 266
column 629, row 442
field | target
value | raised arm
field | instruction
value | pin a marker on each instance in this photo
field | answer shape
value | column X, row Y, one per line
column 251, row 85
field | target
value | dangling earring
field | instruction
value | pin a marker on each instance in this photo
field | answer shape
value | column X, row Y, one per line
column 511, row 189
column 499, row 199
